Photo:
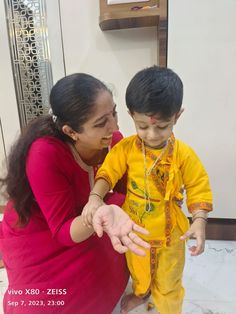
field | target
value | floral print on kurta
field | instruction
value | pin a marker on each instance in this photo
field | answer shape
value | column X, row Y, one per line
column 155, row 207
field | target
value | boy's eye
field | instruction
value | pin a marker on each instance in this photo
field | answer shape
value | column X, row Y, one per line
column 163, row 127
column 142, row 127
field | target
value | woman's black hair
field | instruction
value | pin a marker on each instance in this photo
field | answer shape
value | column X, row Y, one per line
column 72, row 102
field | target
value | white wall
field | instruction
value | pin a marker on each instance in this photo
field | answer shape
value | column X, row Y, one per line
column 112, row 56
column 2, row 163
column 56, row 57
column 8, row 106
column 202, row 49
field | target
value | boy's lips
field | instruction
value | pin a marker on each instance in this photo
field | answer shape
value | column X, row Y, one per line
column 157, row 145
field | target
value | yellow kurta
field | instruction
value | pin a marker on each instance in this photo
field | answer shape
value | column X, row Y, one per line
column 178, row 168
column 152, row 203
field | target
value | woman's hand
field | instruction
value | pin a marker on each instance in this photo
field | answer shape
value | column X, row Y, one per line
column 90, row 208
column 197, row 231
column 119, row 227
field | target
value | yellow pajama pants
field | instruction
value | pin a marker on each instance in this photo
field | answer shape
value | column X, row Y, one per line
column 160, row 272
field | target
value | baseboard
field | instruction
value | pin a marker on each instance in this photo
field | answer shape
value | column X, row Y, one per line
column 221, row 229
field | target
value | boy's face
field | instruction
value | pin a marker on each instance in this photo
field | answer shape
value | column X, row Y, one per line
column 153, row 129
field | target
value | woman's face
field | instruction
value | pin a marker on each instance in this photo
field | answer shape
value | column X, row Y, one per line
column 97, row 131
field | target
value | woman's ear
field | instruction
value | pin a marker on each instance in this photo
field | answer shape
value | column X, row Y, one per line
column 178, row 114
column 66, row 129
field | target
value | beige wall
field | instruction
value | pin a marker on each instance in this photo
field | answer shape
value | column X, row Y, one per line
column 2, row 163
column 202, row 49
column 113, row 56
column 8, row 107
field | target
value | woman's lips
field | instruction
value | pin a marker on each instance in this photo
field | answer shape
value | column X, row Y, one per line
column 107, row 138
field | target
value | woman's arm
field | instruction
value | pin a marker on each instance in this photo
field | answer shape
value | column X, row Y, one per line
column 50, row 173
column 95, row 200
column 78, row 231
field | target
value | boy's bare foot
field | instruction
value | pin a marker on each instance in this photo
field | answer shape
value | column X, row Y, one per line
column 129, row 302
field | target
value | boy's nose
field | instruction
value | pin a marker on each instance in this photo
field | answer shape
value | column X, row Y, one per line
column 153, row 136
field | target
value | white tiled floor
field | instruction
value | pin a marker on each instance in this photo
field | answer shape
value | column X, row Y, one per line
column 209, row 280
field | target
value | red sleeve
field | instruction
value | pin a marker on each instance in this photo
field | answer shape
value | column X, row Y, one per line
column 49, row 175
column 117, row 136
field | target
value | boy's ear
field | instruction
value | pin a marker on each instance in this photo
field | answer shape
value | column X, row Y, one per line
column 66, row 129
column 178, row 114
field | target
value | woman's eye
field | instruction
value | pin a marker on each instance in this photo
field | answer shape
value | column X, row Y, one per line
column 142, row 127
column 101, row 125
column 114, row 113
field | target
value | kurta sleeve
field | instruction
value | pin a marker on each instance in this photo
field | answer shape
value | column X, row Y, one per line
column 52, row 188
column 196, row 180
column 115, row 164
column 121, row 186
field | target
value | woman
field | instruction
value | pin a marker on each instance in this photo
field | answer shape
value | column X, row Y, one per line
column 53, row 261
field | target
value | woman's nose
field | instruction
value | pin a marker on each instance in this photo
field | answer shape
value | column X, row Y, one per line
column 113, row 124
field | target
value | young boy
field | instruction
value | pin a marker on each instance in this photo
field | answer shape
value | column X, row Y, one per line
column 158, row 167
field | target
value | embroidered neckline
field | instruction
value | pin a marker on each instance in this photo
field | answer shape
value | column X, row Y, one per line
column 149, row 151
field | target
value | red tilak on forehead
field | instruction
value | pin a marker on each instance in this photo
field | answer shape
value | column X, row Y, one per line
column 153, row 119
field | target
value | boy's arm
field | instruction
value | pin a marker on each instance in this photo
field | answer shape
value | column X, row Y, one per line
column 197, row 231
column 112, row 169
column 196, row 183
column 115, row 164
column 199, row 199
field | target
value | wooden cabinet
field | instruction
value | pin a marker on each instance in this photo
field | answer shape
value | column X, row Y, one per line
column 121, row 16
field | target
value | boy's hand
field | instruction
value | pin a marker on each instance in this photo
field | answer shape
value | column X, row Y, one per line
column 90, row 208
column 119, row 227
column 197, row 231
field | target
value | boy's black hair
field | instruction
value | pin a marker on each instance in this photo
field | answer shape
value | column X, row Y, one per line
column 155, row 90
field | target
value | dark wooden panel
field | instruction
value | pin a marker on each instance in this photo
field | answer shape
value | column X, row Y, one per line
column 220, row 229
